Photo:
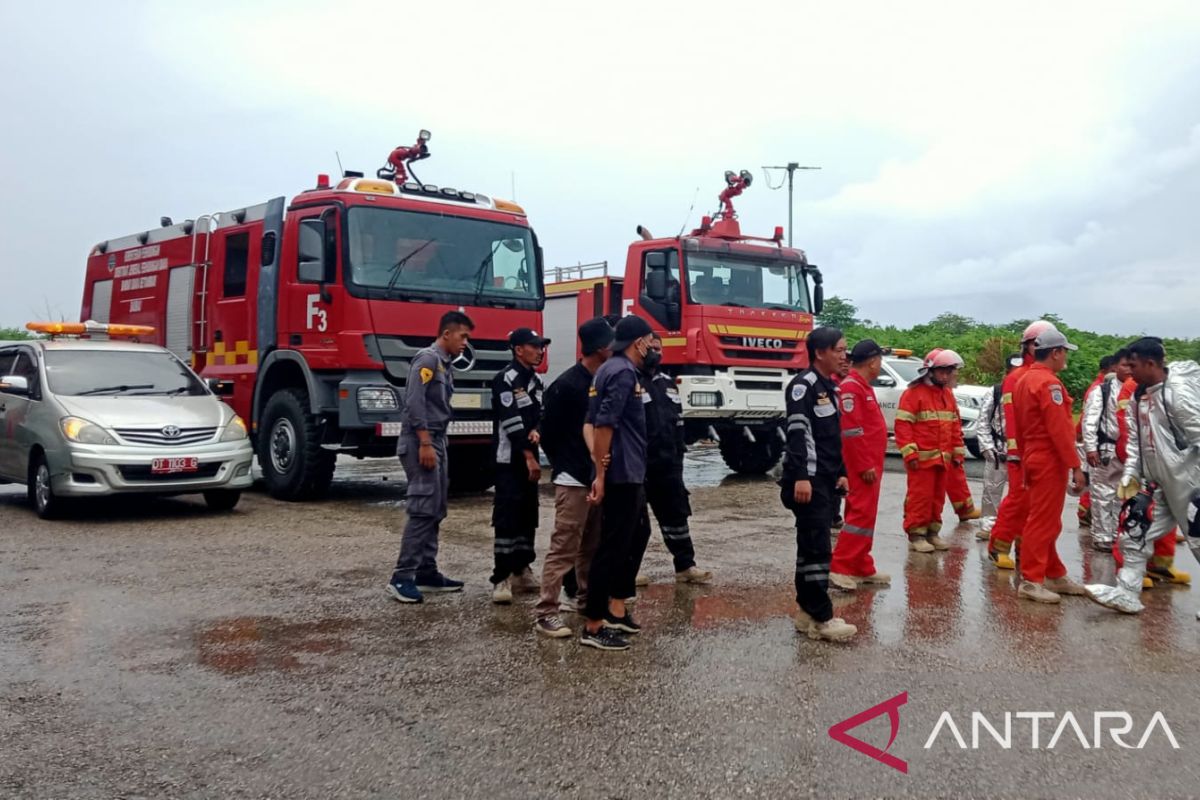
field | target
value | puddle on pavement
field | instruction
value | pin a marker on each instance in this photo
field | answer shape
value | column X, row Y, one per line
column 246, row 645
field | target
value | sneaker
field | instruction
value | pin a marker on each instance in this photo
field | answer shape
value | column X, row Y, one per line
column 1065, row 585
column 920, row 544
column 502, row 593
column 694, row 574
column 1001, row 560
column 525, row 582
column 405, row 592
column 604, row 639
column 1169, row 575
column 835, row 630
column 438, row 583
column 623, row 624
column 847, row 583
column 938, row 542
column 641, row 580
column 877, row 578
column 552, row 627
column 1037, row 593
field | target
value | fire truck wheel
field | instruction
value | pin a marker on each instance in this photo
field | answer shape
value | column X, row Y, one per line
column 750, row 458
column 41, row 491
column 222, row 499
column 294, row 465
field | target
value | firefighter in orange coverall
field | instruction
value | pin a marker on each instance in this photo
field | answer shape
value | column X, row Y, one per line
column 1048, row 453
column 1014, row 508
column 1162, row 564
column 929, row 435
column 957, row 489
column 864, row 444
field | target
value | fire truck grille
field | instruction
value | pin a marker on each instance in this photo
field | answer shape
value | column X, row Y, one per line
column 143, row 473
column 760, row 355
column 759, row 386
column 490, row 357
column 157, row 438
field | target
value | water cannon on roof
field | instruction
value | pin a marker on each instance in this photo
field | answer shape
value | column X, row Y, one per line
column 724, row 224
column 399, row 162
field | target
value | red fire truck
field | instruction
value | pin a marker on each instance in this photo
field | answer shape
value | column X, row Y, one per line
column 306, row 315
column 733, row 311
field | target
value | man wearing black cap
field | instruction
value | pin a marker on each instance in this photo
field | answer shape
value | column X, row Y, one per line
column 864, row 445
column 576, row 522
column 813, row 475
column 618, row 425
column 517, row 411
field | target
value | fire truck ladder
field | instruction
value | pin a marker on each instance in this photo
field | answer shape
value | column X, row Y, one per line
column 210, row 222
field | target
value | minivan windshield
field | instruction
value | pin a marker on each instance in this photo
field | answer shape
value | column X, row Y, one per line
column 118, row 372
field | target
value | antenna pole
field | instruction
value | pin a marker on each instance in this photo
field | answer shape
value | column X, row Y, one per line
column 339, row 160
column 791, row 168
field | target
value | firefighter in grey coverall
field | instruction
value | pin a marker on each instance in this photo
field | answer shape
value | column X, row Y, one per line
column 1163, row 462
column 1105, row 470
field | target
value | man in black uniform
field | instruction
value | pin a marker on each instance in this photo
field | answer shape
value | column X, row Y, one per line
column 813, row 477
column 517, row 411
column 666, row 494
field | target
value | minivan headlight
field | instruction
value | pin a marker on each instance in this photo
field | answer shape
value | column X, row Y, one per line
column 235, row 430
column 83, row 431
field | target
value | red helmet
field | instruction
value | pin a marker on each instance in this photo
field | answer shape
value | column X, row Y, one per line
column 1035, row 329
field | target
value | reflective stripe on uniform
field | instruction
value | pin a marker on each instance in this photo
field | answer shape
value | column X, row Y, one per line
column 934, row 416
column 908, row 449
column 857, row 531
column 850, row 433
column 905, row 416
column 1006, row 399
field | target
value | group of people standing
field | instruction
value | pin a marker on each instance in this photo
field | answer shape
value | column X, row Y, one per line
column 612, row 431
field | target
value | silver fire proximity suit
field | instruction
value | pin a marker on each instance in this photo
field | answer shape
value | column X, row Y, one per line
column 992, row 447
column 1164, row 448
column 1100, row 436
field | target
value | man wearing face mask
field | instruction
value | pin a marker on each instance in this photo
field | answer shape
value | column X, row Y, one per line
column 666, row 494
column 617, row 427
column 929, row 435
column 814, row 474
column 517, row 410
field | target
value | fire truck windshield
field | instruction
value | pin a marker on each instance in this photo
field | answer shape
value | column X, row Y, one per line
column 721, row 279
column 395, row 253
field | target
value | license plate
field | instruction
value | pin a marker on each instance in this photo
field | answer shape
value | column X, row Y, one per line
column 171, row 466
column 466, row 401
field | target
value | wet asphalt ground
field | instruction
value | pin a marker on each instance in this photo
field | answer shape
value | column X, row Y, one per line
column 155, row 649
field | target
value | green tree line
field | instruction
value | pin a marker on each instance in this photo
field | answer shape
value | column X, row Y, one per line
column 984, row 347
column 9, row 334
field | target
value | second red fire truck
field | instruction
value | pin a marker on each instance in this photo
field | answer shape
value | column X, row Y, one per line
column 306, row 314
column 733, row 311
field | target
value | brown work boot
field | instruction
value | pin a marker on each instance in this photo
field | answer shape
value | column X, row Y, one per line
column 1037, row 593
column 974, row 513
column 525, row 582
column 641, row 580
column 847, row 583
column 694, row 574
column 835, row 630
column 1065, row 585
column 919, row 544
column 938, row 542
column 877, row 578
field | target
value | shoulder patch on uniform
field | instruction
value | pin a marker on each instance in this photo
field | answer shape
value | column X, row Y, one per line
column 1056, row 395
column 426, row 374
column 510, row 376
column 798, row 391
column 811, row 378
column 506, row 399
column 848, row 403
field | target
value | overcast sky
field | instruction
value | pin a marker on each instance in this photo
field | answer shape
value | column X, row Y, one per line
column 998, row 160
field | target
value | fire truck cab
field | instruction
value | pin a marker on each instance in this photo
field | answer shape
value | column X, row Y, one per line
column 733, row 312
column 305, row 315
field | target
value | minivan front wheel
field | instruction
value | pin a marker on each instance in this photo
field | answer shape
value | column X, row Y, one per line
column 41, row 489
